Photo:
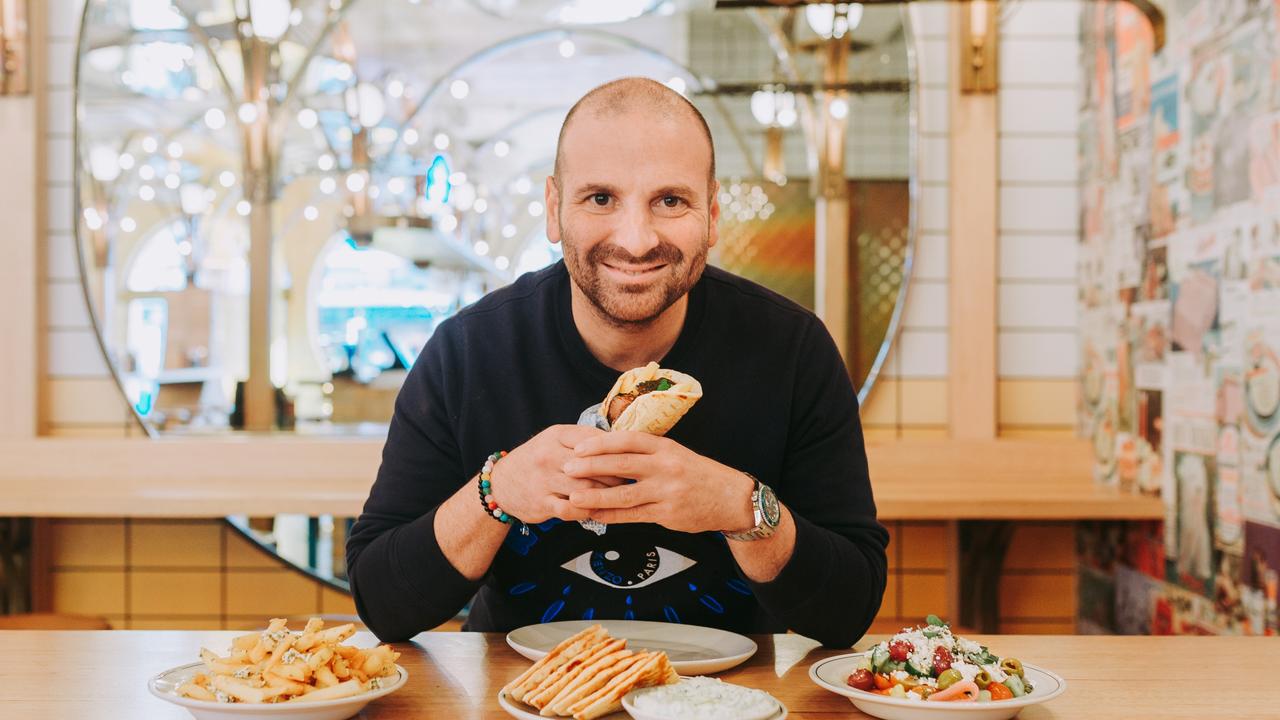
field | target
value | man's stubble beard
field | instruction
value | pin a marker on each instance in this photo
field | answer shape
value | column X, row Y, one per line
column 630, row 308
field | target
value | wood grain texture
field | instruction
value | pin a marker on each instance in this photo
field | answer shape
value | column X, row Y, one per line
column 458, row 675
column 205, row 477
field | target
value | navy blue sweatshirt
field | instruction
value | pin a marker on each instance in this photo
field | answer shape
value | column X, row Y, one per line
column 777, row 403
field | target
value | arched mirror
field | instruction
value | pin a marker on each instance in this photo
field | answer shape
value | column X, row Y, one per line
column 279, row 200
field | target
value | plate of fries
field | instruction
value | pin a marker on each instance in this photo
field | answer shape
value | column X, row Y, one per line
column 278, row 673
column 584, row 677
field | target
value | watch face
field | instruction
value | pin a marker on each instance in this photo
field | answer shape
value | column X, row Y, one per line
column 769, row 506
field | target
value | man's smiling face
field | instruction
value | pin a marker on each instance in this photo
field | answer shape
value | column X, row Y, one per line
column 634, row 207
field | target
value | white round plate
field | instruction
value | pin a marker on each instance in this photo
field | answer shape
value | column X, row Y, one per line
column 693, row 649
column 628, row 704
column 165, row 686
column 830, row 674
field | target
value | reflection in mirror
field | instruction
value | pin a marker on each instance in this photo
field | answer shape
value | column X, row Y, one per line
column 275, row 212
column 274, row 215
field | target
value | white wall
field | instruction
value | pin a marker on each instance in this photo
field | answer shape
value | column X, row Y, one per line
column 1039, row 199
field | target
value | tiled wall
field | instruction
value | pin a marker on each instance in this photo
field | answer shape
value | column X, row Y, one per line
column 1037, row 590
column 1039, row 73
column 1038, row 225
column 155, row 574
column 910, row 398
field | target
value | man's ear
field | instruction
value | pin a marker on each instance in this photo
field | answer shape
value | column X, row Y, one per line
column 551, row 194
column 713, row 215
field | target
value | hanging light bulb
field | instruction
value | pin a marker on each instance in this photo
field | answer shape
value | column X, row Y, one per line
column 269, row 19
column 215, row 119
column 762, row 106
column 459, row 89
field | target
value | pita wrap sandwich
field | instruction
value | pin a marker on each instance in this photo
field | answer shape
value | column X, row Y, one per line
column 650, row 399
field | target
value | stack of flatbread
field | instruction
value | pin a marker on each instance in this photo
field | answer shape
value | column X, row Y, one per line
column 586, row 675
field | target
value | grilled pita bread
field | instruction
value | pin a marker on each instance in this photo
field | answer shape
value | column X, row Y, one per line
column 590, row 680
column 550, row 688
column 564, row 652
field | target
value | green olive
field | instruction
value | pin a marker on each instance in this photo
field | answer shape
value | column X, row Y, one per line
column 1011, row 666
column 948, row 678
column 983, row 679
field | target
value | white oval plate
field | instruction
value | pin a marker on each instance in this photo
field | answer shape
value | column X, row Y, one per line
column 830, row 674
column 693, row 649
column 165, row 686
column 628, row 704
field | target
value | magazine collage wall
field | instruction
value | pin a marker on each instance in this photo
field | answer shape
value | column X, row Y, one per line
column 1180, row 314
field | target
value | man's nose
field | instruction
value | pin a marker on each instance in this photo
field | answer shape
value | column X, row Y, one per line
column 636, row 233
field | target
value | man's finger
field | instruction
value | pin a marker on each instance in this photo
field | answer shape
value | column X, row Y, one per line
column 622, row 496
column 624, row 465
column 642, row 514
column 570, row 436
column 565, row 486
column 622, row 441
column 565, row 510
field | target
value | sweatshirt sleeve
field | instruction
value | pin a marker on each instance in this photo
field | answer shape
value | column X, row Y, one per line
column 831, row 588
column 401, row 581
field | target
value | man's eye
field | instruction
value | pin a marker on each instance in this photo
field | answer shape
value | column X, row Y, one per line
column 600, row 199
column 672, row 201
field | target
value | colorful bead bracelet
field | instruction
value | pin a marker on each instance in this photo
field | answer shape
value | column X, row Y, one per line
column 486, row 491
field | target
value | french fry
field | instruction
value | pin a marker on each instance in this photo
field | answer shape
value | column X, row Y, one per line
column 244, row 692
column 192, row 690
column 325, row 678
column 341, row 690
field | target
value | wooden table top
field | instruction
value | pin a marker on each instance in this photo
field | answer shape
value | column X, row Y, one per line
column 214, row 477
column 56, row 675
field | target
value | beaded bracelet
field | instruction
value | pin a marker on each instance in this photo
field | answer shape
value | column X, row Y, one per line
column 486, row 491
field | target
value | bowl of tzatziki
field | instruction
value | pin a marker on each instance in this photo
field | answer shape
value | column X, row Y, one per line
column 702, row 698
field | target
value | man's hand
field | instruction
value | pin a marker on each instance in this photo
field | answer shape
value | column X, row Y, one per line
column 675, row 487
column 530, row 484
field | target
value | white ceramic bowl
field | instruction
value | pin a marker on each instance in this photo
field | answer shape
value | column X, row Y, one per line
column 165, row 686
column 830, row 674
column 628, row 704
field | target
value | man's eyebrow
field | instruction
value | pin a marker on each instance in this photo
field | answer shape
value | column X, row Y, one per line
column 681, row 190
column 592, row 188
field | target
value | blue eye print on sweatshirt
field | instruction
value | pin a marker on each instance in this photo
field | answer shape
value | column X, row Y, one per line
column 631, row 568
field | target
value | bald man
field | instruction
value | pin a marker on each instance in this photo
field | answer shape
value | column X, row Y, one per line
column 754, row 514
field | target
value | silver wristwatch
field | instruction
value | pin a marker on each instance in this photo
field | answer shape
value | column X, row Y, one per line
column 768, row 513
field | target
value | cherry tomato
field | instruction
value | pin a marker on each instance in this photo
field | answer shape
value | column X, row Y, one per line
column 861, row 680
column 941, row 660
column 999, row 692
column 900, row 650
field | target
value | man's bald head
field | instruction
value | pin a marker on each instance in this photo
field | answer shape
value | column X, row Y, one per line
column 636, row 95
